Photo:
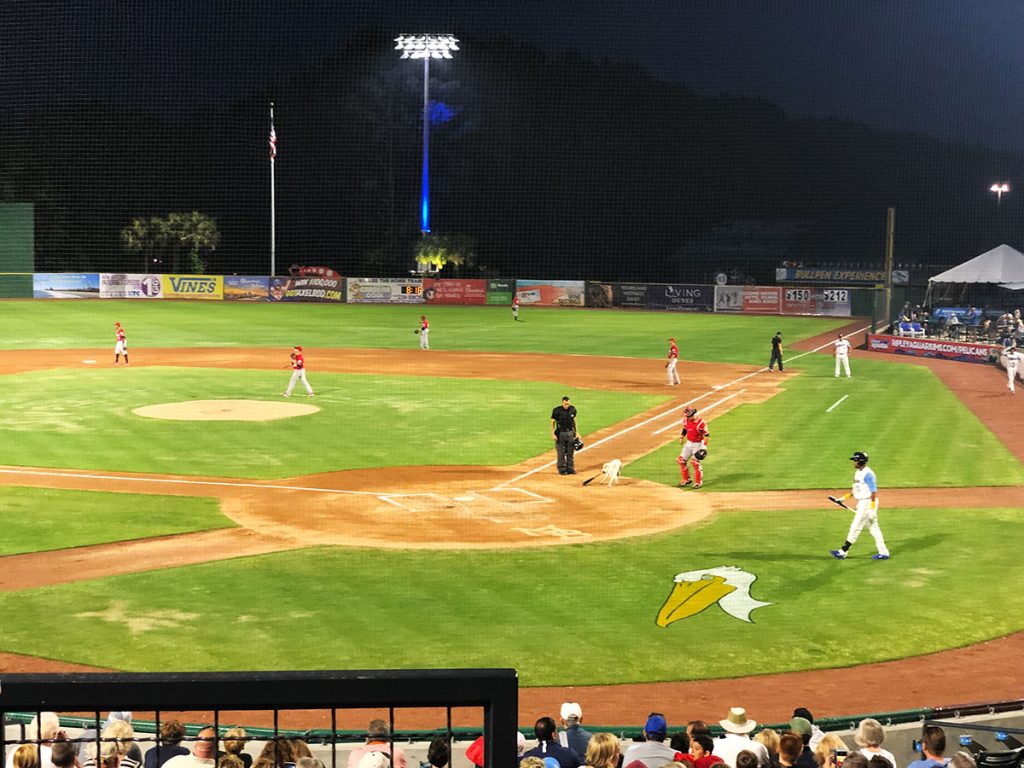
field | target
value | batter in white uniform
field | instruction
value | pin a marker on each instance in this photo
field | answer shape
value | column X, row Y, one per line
column 865, row 491
column 1012, row 357
column 842, row 354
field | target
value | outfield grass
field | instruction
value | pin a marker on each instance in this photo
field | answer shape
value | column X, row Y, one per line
column 40, row 519
column 83, row 419
column 67, row 324
column 560, row 615
column 917, row 433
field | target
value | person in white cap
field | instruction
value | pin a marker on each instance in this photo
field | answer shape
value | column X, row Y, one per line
column 573, row 735
column 737, row 727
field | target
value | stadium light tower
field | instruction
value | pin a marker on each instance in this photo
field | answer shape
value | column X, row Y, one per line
column 426, row 47
column 999, row 189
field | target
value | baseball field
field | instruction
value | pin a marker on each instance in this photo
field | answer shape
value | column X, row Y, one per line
column 180, row 514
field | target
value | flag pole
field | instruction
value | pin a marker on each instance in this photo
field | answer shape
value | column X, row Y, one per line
column 273, row 218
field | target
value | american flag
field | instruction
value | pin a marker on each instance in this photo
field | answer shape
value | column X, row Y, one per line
column 273, row 142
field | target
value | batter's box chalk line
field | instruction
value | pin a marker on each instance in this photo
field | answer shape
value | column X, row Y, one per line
column 531, row 497
column 553, row 531
column 422, row 502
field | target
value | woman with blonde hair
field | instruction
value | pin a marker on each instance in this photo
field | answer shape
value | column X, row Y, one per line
column 869, row 737
column 26, row 756
column 603, row 751
column 770, row 738
column 823, row 752
column 234, row 742
column 275, row 754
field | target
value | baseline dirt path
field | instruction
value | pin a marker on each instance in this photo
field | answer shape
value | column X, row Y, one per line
column 527, row 505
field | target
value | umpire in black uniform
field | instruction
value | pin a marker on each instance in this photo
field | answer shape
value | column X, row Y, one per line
column 563, row 424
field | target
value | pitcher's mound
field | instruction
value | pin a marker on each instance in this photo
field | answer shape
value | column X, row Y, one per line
column 226, row 410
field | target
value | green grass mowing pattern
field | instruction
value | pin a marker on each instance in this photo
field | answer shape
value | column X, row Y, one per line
column 917, row 433
column 40, row 519
column 336, row 608
column 83, row 419
column 64, row 324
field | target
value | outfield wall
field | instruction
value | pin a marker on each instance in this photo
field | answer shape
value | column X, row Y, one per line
column 944, row 349
column 321, row 284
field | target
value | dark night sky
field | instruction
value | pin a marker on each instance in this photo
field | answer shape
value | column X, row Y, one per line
column 949, row 68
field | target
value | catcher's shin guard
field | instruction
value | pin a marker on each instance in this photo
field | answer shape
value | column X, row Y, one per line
column 684, row 472
column 698, row 472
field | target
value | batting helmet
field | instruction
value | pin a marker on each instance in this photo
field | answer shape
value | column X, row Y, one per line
column 859, row 456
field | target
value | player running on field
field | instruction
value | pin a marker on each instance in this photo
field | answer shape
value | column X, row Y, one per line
column 673, row 359
column 694, row 439
column 865, row 491
column 120, row 345
column 298, row 373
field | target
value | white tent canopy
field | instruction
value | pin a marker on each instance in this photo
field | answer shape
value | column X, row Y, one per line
column 1002, row 266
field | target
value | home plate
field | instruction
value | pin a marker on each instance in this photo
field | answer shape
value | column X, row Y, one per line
column 89, row 362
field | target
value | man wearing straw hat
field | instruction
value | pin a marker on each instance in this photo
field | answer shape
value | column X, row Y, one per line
column 737, row 727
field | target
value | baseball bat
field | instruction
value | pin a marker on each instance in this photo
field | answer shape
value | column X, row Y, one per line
column 589, row 480
column 834, row 500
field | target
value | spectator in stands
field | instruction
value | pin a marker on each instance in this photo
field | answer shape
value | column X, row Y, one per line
column 547, row 745
column 953, row 326
column 973, row 316
column 46, row 728
column 25, row 756
column 791, row 746
column 64, row 754
column 869, row 737
column 438, row 753
column 697, row 726
column 227, row 760
column 770, row 739
column 933, row 747
column 275, row 753
column 575, row 736
column 877, row 761
column 234, row 742
column 652, row 751
column 823, row 752
column 680, row 743
column 529, row 762
column 299, row 749
column 746, row 759
column 375, row 760
column 737, row 727
column 168, row 744
column 204, row 749
column 378, row 739
column 309, row 762
column 816, row 733
column 702, row 747
column 604, row 751
column 88, row 736
column 854, row 760
column 802, row 728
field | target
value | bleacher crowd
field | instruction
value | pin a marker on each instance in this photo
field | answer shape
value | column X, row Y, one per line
column 970, row 324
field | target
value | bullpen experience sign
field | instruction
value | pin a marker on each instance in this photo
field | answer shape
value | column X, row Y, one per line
column 940, row 348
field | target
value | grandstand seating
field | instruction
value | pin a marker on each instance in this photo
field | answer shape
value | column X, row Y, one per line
column 1009, row 759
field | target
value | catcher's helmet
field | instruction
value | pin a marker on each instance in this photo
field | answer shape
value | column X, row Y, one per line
column 859, row 457
column 689, row 411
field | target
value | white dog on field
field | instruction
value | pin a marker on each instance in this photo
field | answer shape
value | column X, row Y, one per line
column 610, row 469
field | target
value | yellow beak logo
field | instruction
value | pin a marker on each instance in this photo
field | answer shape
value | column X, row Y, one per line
column 694, row 591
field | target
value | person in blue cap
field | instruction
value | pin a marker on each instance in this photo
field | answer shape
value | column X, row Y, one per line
column 652, row 751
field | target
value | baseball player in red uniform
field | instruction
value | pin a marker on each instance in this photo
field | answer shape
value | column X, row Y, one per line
column 673, row 359
column 515, row 306
column 120, row 346
column 424, row 332
column 298, row 373
column 694, row 439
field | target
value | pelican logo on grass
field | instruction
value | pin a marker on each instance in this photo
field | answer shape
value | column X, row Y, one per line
column 694, row 591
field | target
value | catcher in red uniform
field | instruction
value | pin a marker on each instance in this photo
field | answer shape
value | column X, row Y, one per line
column 694, row 439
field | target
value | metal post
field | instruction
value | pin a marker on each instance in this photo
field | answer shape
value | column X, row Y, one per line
column 890, row 228
column 273, row 217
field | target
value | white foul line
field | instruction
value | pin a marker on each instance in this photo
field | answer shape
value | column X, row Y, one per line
column 552, row 463
column 706, row 408
column 837, row 402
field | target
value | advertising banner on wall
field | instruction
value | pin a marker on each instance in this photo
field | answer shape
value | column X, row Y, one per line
column 121, row 286
column 681, row 298
column 940, row 348
column 51, row 285
column 500, row 291
column 830, row 276
column 384, row 290
column 201, row 287
column 454, row 291
column 748, row 298
column 551, row 293
column 617, row 295
column 833, row 302
column 246, row 288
